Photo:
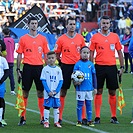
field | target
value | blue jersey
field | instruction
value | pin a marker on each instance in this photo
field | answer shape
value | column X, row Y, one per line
column 87, row 67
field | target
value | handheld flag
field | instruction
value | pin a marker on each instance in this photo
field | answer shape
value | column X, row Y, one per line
column 121, row 101
column 20, row 106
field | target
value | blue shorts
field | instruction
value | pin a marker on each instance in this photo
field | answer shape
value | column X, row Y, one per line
column 52, row 102
column 2, row 90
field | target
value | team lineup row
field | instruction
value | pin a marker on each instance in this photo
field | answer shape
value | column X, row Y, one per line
column 52, row 82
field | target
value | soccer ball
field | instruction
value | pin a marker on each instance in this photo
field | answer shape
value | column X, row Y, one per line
column 77, row 76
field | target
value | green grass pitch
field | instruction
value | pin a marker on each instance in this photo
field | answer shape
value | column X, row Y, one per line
column 69, row 116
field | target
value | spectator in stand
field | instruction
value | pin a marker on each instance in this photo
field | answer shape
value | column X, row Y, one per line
column 60, row 29
column 127, row 56
column 28, row 4
column 128, row 22
column 56, row 20
column 125, row 8
column 114, row 11
column 103, row 2
column 78, row 25
column 15, row 6
column 114, row 25
column 54, row 28
column 89, row 11
column 83, row 8
column 94, row 8
column 23, row 1
column 50, row 9
column 64, row 20
column 121, row 25
column 72, row 14
column 84, row 33
column 3, row 18
column 7, row 5
column 131, row 12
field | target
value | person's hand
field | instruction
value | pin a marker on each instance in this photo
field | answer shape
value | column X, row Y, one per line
column 54, row 93
column 76, row 83
column 120, row 72
column 19, row 75
column 95, row 91
column 50, row 94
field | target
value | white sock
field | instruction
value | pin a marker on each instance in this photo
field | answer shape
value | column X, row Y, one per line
column 46, row 115
column 1, row 111
column 56, row 115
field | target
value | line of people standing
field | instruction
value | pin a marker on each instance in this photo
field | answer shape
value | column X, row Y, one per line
column 69, row 45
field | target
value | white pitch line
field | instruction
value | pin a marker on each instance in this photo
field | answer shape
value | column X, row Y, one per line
column 69, row 122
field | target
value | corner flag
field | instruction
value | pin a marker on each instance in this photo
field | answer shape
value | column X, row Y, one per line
column 20, row 106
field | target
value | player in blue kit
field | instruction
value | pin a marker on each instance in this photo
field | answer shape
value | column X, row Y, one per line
column 52, row 80
column 84, row 90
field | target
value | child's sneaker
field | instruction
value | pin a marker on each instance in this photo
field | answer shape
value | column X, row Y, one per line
column 46, row 125
column 57, row 125
column 79, row 124
column 3, row 122
column 90, row 123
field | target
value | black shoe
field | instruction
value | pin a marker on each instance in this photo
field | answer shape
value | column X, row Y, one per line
column 114, row 120
column 22, row 121
column 60, row 121
column 1, row 125
column 84, row 121
column 42, row 121
column 97, row 120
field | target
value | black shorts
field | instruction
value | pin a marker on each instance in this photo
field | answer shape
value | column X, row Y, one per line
column 32, row 73
column 108, row 73
column 67, row 70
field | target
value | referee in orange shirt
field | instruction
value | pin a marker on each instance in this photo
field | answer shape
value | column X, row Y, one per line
column 68, row 46
column 32, row 46
column 105, row 43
